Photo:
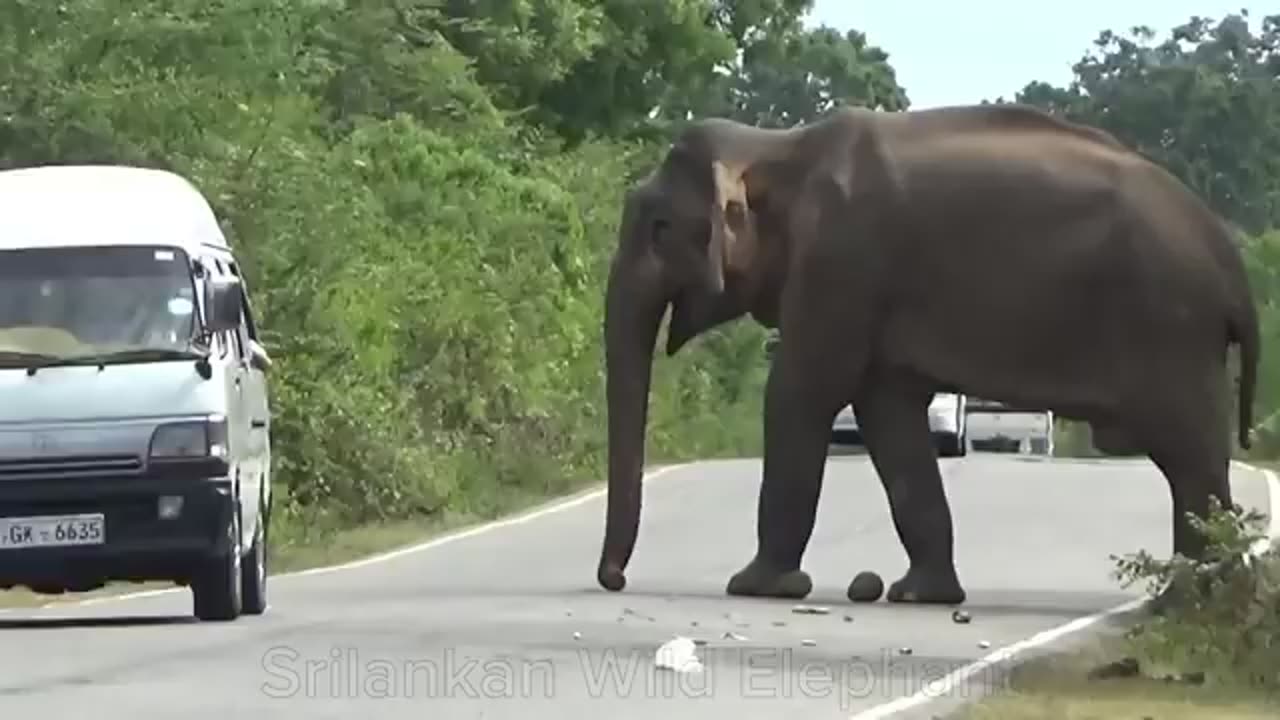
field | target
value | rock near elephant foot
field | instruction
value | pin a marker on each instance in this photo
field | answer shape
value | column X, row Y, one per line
column 866, row 587
column 756, row 580
column 927, row 588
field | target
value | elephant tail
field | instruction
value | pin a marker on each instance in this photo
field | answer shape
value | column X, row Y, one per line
column 1244, row 331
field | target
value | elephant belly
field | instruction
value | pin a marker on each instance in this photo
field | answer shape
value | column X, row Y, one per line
column 1073, row 354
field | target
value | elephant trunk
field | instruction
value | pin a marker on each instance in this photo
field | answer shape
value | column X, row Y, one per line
column 634, row 307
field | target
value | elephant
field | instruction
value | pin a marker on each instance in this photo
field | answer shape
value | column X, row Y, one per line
column 997, row 251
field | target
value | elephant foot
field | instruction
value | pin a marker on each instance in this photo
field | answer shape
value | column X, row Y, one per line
column 756, row 580
column 927, row 588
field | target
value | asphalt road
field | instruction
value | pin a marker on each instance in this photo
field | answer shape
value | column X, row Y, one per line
column 484, row 626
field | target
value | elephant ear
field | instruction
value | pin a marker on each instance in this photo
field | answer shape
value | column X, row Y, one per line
column 729, row 217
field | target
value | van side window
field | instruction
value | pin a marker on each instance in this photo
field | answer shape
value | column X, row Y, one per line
column 250, row 329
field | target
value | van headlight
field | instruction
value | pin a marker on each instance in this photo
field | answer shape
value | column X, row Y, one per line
column 191, row 439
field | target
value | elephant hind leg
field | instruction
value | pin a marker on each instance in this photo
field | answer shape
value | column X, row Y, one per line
column 893, row 415
column 1191, row 447
column 1192, row 450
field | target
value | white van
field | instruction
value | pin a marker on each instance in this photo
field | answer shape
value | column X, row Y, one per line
column 134, row 419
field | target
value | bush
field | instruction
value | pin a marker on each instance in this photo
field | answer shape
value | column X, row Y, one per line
column 1222, row 618
column 428, row 271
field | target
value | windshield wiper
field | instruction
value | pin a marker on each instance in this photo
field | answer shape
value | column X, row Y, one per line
column 22, row 359
column 124, row 356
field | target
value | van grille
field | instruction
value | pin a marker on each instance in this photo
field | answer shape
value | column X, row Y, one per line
column 68, row 467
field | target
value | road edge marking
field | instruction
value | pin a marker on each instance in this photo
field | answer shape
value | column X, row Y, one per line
column 944, row 685
column 551, row 508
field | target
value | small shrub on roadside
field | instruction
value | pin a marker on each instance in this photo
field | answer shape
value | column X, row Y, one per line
column 1222, row 618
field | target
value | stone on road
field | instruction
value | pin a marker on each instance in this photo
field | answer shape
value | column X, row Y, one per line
column 510, row 624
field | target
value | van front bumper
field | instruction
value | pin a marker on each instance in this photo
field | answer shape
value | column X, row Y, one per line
column 138, row 544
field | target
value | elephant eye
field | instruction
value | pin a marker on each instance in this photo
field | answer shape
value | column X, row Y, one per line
column 661, row 228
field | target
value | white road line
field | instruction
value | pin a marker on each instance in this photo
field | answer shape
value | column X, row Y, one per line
column 943, row 686
column 521, row 519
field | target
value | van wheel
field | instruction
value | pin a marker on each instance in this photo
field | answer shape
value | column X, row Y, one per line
column 254, row 571
column 217, row 587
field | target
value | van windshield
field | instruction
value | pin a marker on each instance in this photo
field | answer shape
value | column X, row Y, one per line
column 63, row 303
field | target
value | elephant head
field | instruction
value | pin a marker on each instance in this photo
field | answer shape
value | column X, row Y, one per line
column 689, row 238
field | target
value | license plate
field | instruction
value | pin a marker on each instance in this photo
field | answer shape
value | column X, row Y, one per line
column 51, row 531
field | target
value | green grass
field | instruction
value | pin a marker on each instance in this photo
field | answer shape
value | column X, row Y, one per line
column 1059, row 687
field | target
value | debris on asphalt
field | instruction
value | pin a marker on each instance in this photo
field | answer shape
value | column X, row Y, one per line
column 904, row 651
column 678, row 654
column 808, row 643
column 779, row 623
column 629, row 611
column 848, row 618
column 961, row 617
column 984, row 644
column 731, row 635
column 577, row 635
column 810, row 610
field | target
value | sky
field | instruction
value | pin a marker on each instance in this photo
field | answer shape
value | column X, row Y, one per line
column 966, row 52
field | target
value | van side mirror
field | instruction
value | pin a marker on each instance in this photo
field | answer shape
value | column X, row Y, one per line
column 223, row 304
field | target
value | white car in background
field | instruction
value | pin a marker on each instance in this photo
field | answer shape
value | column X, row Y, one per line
column 946, row 421
column 997, row 427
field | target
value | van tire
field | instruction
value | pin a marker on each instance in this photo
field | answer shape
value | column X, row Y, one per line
column 217, row 587
column 253, row 573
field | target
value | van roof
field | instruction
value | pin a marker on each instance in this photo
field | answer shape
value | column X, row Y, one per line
column 69, row 205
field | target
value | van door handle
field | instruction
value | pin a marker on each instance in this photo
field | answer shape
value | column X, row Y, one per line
column 258, row 423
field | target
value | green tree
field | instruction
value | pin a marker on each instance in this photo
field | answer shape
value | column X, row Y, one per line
column 794, row 77
column 625, row 69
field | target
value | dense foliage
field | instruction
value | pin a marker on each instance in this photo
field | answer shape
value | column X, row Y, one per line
column 425, row 194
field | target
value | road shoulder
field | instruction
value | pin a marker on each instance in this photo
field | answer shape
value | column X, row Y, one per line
column 1094, row 678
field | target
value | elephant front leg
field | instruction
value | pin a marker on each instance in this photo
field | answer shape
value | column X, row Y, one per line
column 800, row 406
column 893, row 416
